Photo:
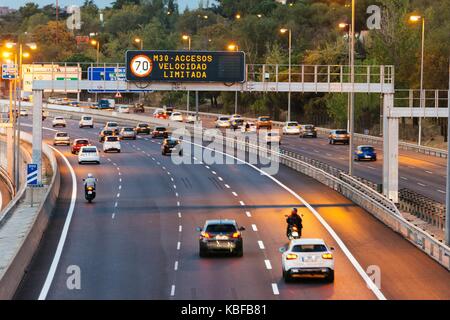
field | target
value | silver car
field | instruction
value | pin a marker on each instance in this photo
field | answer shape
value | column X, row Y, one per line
column 128, row 133
column 61, row 138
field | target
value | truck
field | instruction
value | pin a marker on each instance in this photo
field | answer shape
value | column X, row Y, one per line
column 105, row 104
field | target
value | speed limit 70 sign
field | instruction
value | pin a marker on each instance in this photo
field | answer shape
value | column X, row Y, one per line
column 141, row 65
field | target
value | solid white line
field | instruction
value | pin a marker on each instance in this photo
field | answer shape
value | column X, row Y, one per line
column 178, row 245
column 275, row 289
column 254, row 227
column 62, row 239
column 234, row 194
column 268, row 265
column 261, row 245
column 242, row 203
column 248, row 214
column 172, row 291
column 371, row 285
column 441, row 191
column 175, row 267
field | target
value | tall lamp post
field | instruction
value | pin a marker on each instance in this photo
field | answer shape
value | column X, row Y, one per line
column 96, row 44
column 187, row 38
column 289, row 31
column 415, row 19
column 347, row 26
column 352, row 94
column 447, row 195
column 234, row 47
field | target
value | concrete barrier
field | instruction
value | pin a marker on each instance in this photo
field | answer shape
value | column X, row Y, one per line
column 29, row 224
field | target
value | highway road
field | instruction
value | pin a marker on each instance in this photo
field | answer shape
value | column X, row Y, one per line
column 418, row 172
column 138, row 239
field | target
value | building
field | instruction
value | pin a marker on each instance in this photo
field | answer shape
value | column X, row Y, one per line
column 6, row 10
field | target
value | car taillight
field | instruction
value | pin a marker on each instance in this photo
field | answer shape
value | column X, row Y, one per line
column 291, row 256
column 327, row 256
column 236, row 235
column 90, row 188
column 206, row 235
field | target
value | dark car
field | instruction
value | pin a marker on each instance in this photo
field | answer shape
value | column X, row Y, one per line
column 237, row 123
column 105, row 133
column 340, row 136
column 78, row 143
column 308, row 130
column 171, row 145
column 160, row 132
column 138, row 108
column 142, row 128
column 221, row 236
column 365, row 153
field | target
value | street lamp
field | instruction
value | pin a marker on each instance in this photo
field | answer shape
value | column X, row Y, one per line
column 415, row 19
column 352, row 94
column 139, row 41
column 238, row 16
column 234, row 47
column 289, row 31
column 187, row 38
column 96, row 43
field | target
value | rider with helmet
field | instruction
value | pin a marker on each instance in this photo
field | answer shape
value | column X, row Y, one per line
column 294, row 219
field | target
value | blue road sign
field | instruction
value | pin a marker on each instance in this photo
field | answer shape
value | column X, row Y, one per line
column 9, row 71
column 32, row 172
column 108, row 74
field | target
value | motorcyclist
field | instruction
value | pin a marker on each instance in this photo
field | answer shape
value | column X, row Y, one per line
column 294, row 219
column 90, row 181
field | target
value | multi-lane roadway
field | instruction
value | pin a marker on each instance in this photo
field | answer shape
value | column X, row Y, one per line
column 138, row 238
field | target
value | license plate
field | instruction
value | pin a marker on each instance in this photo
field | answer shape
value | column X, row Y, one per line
column 222, row 237
column 368, row 157
column 308, row 259
column 89, row 192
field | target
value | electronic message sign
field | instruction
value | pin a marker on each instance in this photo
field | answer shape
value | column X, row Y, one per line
column 185, row 66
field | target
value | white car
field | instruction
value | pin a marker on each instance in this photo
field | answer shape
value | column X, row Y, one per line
column 111, row 125
column 291, row 127
column 176, row 116
column 248, row 127
column 272, row 137
column 23, row 113
column 191, row 118
column 235, row 116
column 59, row 122
column 223, row 122
column 307, row 257
column 123, row 109
column 88, row 154
column 61, row 138
column 86, row 121
column 111, row 143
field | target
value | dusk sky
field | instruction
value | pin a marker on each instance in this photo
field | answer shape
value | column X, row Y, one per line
column 101, row 3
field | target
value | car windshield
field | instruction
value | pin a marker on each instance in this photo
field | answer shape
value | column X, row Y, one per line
column 62, row 134
column 82, row 142
column 220, row 228
column 224, row 119
column 107, row 132
column 89, row 150
column 128, row 129
column 309, row 127
column 143, row 125
column 341, row 132
column 87, row 118
column 264, row 119
column 160, row 129
column 172, row 142
column 367, row 149
column 59, row 118
column 292, row 124
column 112, row 139
column 112, row 124
column 176, row 114
column 309, row 248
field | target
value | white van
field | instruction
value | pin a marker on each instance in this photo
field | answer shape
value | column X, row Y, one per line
column 86, row 121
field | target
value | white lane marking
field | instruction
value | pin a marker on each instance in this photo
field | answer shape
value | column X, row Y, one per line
column 118, row 195
column 172, row 291
column 171, row 179
column 174, row 186
column 268, row 264
column 114, row 164
column 113, row 215
column 109, row 159
column 261, row 244
column 175, row 267
column 178, row 203
column 164, row 168
column 168, row 173
column 176, row 194
column 439, row 190
column 248, row 214
column 153, row 159
column 120, row 173
column 118, row 169
column 158, row 163
column 227, row 186
column 180, row 228
column 275, row 289
column 207, row 167
column 234, row 194
column 254, row 227
column 371, row 285
column 403, row 178
column 429, row 172
column 120, row 187
column 370, row 167
column 116, row 204
column 242, row 203
column 213, row 172
column 178, row 245
column 220, row 178
column 421, row 184
column 120, row 179
column 179, row 214
column 194, row 158
column 62, row 239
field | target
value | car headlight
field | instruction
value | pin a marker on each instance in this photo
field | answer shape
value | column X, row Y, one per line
column 359, row 152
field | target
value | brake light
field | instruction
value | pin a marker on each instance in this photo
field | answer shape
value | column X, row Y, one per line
column 291, row 256
column 206, row 235
column 327, row 256
column 90, row 188
column 294, row 228
column 236, row 235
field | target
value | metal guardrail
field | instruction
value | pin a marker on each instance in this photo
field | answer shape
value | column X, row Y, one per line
column 8, row 181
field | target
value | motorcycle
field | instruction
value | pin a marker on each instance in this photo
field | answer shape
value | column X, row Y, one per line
column 89, row 193
column 293, row 233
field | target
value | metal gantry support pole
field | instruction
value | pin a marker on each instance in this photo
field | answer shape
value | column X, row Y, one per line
column 447, row 194
column 352, row 94
column 196, row 106
column 37, row 133
column 289, row 93
column 236, row 102
column 17, row 143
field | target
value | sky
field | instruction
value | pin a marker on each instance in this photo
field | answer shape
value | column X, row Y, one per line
column 101, row 3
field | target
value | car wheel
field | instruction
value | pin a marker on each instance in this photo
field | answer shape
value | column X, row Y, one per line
column 118, row 151
column 330, row 276
column 98, row 162
column 239, row 252
column 202, row 253
column 287, row 278
column 92, row 127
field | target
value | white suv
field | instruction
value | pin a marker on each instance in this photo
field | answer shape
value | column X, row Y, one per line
column 223, row 122
column 88, row 154
column 59, row 122
column 111, row 143
column 86, row 121
column 307, row 257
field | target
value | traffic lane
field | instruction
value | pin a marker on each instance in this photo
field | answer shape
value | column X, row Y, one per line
column 201, row 198
column 34, row 278
column 268, row 204
column 413, row 174
column 406, row 272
